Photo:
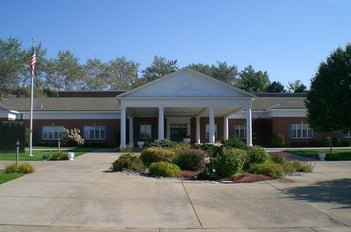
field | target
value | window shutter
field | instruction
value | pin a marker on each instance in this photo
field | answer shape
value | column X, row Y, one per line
column 233, row 131
column 82, row 132
column 107, row 132
column 289, row 130
column 40, row 133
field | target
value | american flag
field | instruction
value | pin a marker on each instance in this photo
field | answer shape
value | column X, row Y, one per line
column 32, row 63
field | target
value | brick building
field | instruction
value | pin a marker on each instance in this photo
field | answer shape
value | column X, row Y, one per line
column 184, row 105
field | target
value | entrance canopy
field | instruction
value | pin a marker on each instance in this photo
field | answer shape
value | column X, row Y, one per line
column 185, row 93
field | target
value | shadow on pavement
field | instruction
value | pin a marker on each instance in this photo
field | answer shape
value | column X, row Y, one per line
column 333, row 191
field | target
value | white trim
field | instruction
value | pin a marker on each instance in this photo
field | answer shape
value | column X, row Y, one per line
column 73, row 115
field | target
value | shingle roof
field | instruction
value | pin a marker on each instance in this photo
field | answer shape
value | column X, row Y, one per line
column 262, row 102
column 64, row 104
column 279, row 101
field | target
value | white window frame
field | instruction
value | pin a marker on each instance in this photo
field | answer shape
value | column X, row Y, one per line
column 240, row 131
column 94, row 132
column 301, row 131
column 347, row 134
column 145, row 131
column 52, row 132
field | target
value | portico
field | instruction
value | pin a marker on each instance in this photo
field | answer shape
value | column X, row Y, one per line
column 182, row 104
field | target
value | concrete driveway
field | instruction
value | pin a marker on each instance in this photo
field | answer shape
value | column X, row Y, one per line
column 82, row 195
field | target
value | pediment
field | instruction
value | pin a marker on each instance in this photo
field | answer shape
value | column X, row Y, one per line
column 186, row 83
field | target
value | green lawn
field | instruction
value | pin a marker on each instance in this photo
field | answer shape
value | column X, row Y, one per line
column 38, row 154
column 336, row 154
column 4, row 177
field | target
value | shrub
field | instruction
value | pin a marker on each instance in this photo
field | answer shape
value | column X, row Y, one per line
column 155, row 154
column 19, row 168
column 212, row 150
column 231, row 162
column 257, row 155
column 302, row 166
column 72, row 137
column 163, row 143
column 62, row 155
column 278, row 159
column 128, row 161
column 234, row 142
column 190, row 159
column 164, row 169
column 267, row 168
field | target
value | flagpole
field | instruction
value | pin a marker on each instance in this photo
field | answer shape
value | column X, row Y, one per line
column 32, row 65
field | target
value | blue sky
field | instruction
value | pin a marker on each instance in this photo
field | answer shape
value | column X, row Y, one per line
column 286, row 38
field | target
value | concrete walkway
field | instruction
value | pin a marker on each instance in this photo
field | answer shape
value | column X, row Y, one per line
column 82, row 195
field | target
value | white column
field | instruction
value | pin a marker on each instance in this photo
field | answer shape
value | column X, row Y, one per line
column 248, row 127
column 161, row 123
column 123, row 127
column 198, row 137
column 131, row 132
column 212, row 138
column 225, row 126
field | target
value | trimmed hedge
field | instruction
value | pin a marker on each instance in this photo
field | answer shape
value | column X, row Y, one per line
column 128, row 161
column 190, row 159
column 156, row 154
column 164, row 169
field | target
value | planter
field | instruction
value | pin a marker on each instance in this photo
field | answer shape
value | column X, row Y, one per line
column 70, row 155
column 321, row 156
column 140, row 144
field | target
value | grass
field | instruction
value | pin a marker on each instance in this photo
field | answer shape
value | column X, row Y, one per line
column 4, row 177
column 336, row 155
column 38, row 154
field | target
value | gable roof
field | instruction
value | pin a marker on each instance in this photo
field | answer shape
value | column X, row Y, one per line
column 186, row 82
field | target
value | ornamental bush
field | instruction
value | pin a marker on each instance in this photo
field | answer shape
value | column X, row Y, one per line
column 155, row 154
column 257, row 155
column 163, row 143
column 268, row 168
column 190, row 159
column 128, row 161
column 164, row 169
column 234, row 142
column 231, row 162
column 19, row 168
column 62, row 155
column 72, row 137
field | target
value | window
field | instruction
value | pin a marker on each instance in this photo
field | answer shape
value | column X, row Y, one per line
column 207, row 135
column 347, row 134
column 300, row 131
column 94, row 132
column 240, row 131
column 52, row 132
column 145, row 131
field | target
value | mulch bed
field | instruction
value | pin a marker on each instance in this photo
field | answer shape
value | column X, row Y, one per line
column 243, row 178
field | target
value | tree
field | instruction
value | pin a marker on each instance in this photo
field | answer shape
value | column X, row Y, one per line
column 65, row 72
column 159, row 68
column 297, row 87
column 96, row 73
column 328, row 101
column 121, row 73
column 222, row 71
column 276, row 87
column 11, row 65
column 252, row 81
